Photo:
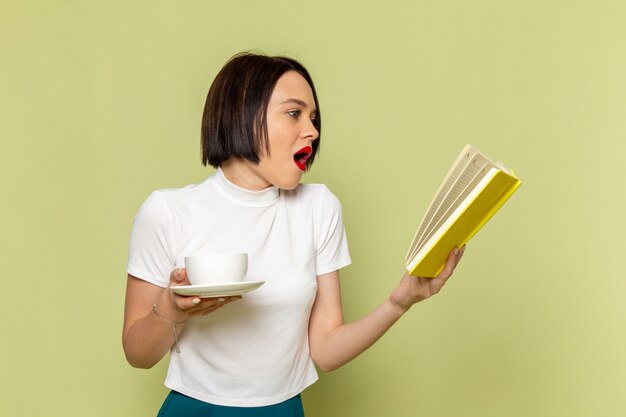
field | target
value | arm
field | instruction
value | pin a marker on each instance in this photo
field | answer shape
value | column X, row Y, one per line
column 333, row 342
column 147, row 338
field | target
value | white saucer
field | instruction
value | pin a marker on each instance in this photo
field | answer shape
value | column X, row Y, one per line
column 218, row 290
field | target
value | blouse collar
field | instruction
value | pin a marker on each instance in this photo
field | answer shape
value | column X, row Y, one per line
column 264, row 198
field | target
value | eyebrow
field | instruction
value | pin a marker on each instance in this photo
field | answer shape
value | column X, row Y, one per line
column 297, row 101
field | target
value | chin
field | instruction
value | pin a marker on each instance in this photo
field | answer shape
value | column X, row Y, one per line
column 288, row 183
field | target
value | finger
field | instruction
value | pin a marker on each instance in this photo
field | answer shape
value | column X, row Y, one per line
column 204, row 310
column 185, row 302
column 212, row 301
column 211, row 309
column 198, row 309
column 179, row 277
column 461, row 254
column 211, row 304
column 451, row 262
column 220, row 300
column 458, row 258
column 175, row 274
column 194, row 302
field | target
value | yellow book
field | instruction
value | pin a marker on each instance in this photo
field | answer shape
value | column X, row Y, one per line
column 474, row 189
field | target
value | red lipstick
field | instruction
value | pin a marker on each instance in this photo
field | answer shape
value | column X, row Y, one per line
column 301, row 157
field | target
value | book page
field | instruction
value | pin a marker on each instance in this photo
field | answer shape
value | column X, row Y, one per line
column 474, row 173
column 463, row 176
column 464, row 158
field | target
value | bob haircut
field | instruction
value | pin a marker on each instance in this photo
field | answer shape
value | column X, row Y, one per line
column 234, row 122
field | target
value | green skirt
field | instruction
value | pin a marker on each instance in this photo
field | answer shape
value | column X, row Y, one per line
column 179, row 405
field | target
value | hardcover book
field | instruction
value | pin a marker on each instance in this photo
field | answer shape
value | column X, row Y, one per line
column 472, row 192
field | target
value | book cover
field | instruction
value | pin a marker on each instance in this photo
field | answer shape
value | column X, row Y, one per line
column 472, row 192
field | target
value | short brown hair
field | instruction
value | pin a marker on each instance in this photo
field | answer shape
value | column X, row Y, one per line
column 234, row 122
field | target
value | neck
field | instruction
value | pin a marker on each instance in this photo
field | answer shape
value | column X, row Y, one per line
column 243, row 174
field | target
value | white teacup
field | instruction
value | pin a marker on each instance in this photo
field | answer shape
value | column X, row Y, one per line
column 216, row 268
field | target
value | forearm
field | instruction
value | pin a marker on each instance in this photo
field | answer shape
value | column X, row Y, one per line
column 349, row 340
column 149, row 338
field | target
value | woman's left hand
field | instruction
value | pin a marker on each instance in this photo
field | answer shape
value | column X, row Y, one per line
column 415, row 289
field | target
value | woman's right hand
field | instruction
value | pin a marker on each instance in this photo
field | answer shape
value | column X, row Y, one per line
column 193, row 305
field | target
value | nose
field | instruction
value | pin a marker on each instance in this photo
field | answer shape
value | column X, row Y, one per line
column 309, row 131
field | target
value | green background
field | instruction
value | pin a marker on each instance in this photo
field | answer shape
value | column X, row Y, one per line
column 100, row 103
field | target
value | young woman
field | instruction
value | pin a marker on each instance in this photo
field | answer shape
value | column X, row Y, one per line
column 252, row 355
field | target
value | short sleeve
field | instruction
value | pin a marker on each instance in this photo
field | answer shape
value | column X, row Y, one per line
column 150, row 251
column 331, row 245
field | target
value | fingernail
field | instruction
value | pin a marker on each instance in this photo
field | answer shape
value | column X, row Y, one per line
column 456, row 251
column 220, row 300
column 195, row 300
column 234, row 298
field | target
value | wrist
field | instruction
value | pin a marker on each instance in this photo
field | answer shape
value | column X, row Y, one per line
column 169, row 309
column 159, row 316
column 396, row 309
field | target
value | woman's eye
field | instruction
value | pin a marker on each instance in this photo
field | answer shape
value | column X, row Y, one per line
column 293, row 113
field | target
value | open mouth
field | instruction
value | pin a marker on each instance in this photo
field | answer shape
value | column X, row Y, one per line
column 301, row 157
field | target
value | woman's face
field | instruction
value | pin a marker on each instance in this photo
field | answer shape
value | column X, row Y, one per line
column 290, row 115
column 290, row 130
